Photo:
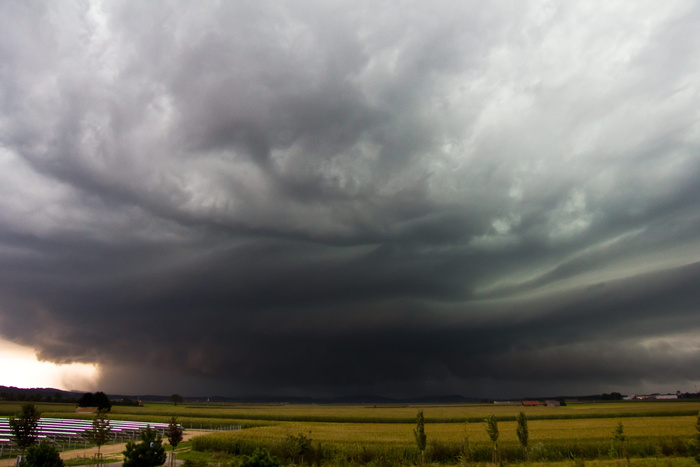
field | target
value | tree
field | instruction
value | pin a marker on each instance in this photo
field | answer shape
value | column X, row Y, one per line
column 100, row 432
column 619, row 441
column 492, row 430
column 87, row 400
column 102, row 402
column 523, row 433
column 174, row 435
column 25, row 426
column 99, row 400
column 148, row 453
column 176, row 399
column 419, row 433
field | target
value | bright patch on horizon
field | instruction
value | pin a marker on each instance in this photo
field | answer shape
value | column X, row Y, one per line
column 22, row 369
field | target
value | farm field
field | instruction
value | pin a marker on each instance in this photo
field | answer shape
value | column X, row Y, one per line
column 373, row 414
column 383, row 434
column 402, row 433
column 365, row 434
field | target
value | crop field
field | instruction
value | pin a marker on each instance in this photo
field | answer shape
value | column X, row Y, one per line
column 371, row 414
column 383, row 434
column 361, row 435
column 402, row 433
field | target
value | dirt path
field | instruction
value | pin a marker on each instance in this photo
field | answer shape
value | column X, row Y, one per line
column 107, row 449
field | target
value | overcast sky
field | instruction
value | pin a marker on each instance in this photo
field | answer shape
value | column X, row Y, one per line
column 337, row 197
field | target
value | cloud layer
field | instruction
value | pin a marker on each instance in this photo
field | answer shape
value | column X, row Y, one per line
column 337, row 197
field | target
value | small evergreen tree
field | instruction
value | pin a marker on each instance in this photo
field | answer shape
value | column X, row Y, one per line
column 492, row 430
column 523, row 434
column 24, row 426
column 148, row 453
column 174, row 435
column 43, row 454
column 99, row 433
column 419, row 433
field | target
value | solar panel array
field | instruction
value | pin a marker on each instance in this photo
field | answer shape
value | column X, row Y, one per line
column 70, row 434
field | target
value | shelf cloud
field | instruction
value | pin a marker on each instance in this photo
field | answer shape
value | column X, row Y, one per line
column 329, row 198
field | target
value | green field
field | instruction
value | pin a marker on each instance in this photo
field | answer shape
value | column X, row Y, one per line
column 383, row 434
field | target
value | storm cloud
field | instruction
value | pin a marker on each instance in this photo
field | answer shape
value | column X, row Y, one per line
column 328, row 198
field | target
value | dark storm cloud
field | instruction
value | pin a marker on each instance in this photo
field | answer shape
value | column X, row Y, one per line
column 330, row 197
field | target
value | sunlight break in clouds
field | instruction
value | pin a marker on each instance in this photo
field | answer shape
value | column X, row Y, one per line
column 21, row 368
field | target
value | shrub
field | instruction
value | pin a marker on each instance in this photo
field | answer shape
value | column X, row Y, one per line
column 194, row 463
column 299, row 449
column 260, row 458
column 43, row 454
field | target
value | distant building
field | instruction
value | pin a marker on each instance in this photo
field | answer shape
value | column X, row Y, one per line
column 531, row 403
column 552, row 403
column 651, row 397
column 86, row 410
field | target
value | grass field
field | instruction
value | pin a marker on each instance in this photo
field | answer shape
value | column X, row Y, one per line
column 383, row 434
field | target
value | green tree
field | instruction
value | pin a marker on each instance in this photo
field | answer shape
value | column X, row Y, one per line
column 176, row 399
column 98, row 399
column 148, row 453
column 174, row 435
column 492, row 430
column 620, row 441
column 419, row 433
column 99, row 433
column 102, row 402
column 523, row 433
column 43, row 454
column 24, row 426
column 87, row 400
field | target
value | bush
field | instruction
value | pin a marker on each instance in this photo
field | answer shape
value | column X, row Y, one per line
column 194, row 463
column 260, row 458
column 43, row 454
column 298, row 448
